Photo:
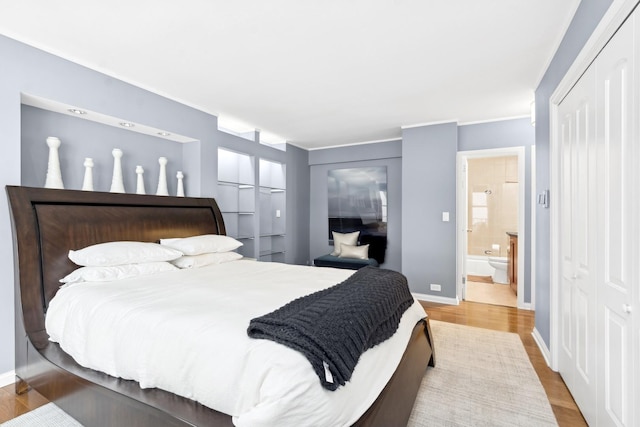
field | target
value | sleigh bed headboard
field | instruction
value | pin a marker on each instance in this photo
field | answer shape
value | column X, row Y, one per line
column 48, row 223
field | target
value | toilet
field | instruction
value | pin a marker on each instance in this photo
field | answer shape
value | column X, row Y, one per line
column 500, row 265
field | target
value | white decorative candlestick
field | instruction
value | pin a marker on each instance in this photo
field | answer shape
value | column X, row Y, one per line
column 117, row 184
column 180, row 192
column 140, row 181
column 162, row 179
column 54, row 176
column 87, row 183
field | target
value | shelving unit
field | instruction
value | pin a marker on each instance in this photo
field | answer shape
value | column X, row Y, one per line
column 237, row 198
column 272, row 196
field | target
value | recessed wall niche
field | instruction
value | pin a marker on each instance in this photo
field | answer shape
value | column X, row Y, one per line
column 273, row 201
column 236, row 197
column 83, row 138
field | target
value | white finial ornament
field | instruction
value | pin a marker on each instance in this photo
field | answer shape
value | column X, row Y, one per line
column 140, row 181
column 180, row 192
column 117, row 184
column 162, row 179
column 54, row 176
column 87, row 183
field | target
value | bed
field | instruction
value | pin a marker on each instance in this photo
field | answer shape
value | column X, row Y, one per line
column 47, row 223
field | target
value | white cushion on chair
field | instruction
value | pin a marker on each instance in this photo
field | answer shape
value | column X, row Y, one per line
column 343, row 238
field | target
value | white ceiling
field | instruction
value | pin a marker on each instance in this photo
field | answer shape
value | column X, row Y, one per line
column 317, row 73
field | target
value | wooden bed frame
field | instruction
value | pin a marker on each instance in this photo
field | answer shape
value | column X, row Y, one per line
column 47, row 223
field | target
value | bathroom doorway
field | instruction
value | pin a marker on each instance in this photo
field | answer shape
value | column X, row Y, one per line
column 491, row 225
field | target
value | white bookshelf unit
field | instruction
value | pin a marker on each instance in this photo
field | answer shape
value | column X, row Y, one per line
column 237, row 198
column 272, row 196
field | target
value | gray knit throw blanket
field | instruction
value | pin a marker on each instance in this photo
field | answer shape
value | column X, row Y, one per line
column 333, row 327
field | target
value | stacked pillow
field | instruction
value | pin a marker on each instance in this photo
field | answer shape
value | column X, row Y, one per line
column 202, row 250
column 354, row 251
column 120, row 260
column 345, row 245
column 124, row 259
column 339, row 239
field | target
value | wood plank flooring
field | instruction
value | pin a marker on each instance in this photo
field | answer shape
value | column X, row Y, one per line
column 494, row 317
column 13, row 405
column 509, row 319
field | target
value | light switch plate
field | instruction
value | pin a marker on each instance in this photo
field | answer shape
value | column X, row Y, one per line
column 445, row 216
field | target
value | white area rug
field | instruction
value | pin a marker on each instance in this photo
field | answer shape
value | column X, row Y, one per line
column 481, row 378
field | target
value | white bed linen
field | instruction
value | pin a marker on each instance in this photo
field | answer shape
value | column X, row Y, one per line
column 185, row 332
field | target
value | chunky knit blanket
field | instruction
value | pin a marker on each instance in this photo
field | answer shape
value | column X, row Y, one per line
column 333, row 327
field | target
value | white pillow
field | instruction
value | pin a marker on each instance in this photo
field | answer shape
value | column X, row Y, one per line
column 343, row 238
column 357, row 252
column 117, row 272
column 121, row 253
column 206, row 243
column 195, row 261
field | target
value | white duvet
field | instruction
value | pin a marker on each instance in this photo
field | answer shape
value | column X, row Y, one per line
column 185, row 332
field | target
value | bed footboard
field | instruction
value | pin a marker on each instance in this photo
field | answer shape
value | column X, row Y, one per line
column 393, row 406
column 96, row 399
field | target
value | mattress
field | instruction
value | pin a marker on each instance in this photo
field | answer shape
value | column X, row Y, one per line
column 186, row 332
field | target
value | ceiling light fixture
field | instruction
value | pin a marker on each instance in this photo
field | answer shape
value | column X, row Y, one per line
column 163, row 133
column 76, row 111
column 127, row 124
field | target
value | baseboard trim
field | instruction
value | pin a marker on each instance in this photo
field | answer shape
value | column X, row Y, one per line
column 7, row 378
column 542, row 346
column 435, row 298
column 525, row 306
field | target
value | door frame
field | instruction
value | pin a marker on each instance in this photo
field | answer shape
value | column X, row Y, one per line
column 462, row 208
column 609, row 24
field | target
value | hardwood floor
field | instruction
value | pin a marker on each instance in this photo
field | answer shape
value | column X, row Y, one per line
column 13, row 405
column 494, row 317
column 510, row 319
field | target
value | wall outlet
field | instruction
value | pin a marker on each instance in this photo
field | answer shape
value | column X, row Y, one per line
column 436, row 287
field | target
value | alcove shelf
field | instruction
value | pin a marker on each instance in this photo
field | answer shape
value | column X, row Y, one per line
column 272, row 199
column 253, row 205
column 237, row 197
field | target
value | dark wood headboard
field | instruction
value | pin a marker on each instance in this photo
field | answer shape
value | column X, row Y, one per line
column 48, row 223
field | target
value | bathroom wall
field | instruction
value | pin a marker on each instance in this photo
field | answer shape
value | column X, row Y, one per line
column 492, row 204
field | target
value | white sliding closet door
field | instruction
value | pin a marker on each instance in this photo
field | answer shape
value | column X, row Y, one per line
column 617, row 99
column 578, row 243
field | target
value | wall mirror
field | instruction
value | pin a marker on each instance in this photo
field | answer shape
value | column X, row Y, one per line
column 358, row 201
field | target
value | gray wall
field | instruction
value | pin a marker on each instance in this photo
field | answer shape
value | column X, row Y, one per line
column 502, row 134
column 28, row 70
column 380, row 154
column 24, row 130
column 426, row 154
column 298, row 203
column 585, row 20
column 428, row 189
